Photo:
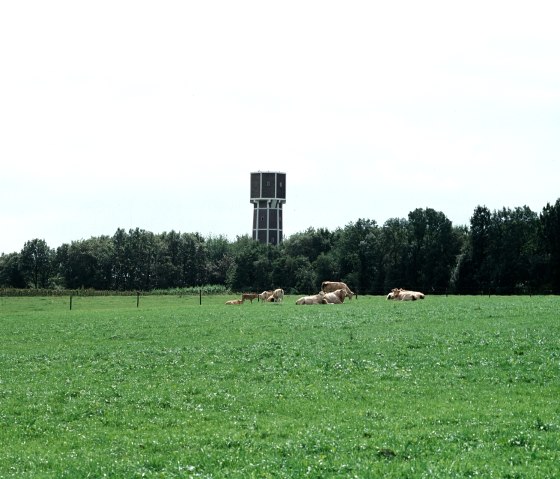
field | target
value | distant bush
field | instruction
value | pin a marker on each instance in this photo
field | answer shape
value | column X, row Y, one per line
column 191, row 291
column 194, row 290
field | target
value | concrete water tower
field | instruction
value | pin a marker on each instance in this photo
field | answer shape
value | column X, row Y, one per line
column 268, row 194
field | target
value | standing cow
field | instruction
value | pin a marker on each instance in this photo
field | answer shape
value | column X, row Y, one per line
column 249, row 296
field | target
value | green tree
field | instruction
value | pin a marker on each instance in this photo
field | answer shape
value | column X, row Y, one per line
column 480, row 243
column 167, row 267
column 193, row 259
column 433, row 250
column 512, row 249
column 241, row 275
column 354, row 252
column 86, row 263
column 549, row 234
column 394, row 246
column 219, row 259
column 11, row 275
column 36, row 263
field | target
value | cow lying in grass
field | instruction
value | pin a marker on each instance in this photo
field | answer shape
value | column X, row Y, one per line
column 275, row 296
column 400, row 294
column 235, row 301
column 313, row 299
column 265, row 295
column 336, row 297
column 331, row 286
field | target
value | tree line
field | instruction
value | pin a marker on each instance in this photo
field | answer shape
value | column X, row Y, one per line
column 507, row 251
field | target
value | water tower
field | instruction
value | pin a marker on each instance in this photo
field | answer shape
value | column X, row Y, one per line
column 268, row 194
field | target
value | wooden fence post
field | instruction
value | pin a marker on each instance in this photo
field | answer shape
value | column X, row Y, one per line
column 70, row 302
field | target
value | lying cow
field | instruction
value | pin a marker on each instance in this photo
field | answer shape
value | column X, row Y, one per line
column 400, row 294
column 265, row 295
column 313, row 299
column 336, row 297
column 234, row 301
column 331, row 286
column 249, row 296
column 277, row 296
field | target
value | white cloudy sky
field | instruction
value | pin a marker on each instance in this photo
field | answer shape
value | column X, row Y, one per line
column 152, row 114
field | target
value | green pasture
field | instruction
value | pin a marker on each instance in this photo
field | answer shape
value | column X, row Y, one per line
column 444, row 387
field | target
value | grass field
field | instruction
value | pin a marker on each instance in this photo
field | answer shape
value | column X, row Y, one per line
column 445, row 387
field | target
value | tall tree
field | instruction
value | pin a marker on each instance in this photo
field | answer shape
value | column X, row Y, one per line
column 11, row 275
column 353, row 250
column 550, row 241
column 394, row 245
column 86, row 263
column 246, row 252
column 433, row 249
column 35, row 263
column 480, row 243
column 512, row 249
column 193, row 259
column 219, row 259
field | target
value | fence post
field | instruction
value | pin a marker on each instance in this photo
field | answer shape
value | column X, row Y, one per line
column 70, row 302
column 200, row 296
column 137, row 298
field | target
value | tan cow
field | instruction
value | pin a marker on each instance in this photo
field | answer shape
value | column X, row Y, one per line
column 265, row 295
column 400, row 294
column 313, row 299
column 336, row 297
column 249, row 296
column 331, row 286
column 234, row 301
column 277, row 296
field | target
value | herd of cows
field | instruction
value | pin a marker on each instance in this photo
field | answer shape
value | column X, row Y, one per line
column 332, row 292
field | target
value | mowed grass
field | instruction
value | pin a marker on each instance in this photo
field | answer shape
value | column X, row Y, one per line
column 445, row 387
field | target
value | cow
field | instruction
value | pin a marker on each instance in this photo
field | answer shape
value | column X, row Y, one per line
column 277, row 296
column 400, row 294
column 249, row 296
column 336, row 297
column 234, row 301
column 331, row 286
column 314, row 299
column 265, row 295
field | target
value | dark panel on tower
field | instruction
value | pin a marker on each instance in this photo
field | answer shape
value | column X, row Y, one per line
column 272, row 237
column 255, row 185
column 262, row 236
column 262, row 219
column 273, row 219
column 281, row 185
column 269, row 185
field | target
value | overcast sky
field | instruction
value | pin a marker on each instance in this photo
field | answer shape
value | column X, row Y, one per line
column 152, row 114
